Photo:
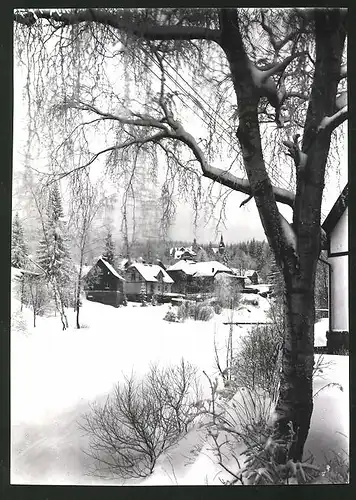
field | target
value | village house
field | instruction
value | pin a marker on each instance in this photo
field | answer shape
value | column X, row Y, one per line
column 104, row 284
column 337, row 246
column 182, row 253
column 153, row 276
column 252, row 276
column 198, row 277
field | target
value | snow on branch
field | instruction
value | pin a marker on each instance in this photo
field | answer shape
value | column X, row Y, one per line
column 222, row 176
column 122, row 23
column 330, row 123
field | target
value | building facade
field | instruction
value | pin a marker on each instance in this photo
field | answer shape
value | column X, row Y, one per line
column 336, row 228
column 104, row 284
column 155, row 279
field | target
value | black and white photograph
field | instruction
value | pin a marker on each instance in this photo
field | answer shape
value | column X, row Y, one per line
column 179, row 247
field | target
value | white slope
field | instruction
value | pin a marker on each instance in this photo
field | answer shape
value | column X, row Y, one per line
column 55, row 374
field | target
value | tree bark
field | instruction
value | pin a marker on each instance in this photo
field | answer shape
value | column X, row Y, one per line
column 295, row 402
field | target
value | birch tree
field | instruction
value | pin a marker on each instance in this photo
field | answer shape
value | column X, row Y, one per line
column 86, row 202
column 275, row 82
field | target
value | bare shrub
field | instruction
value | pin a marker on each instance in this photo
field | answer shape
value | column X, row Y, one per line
column 201, row 311
column 141, row 420
column 18, row 322
column 258, row 363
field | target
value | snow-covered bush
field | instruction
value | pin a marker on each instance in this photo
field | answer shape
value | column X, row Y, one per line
column 142, row 419
column 199, row 311
column 18, row 322
column 171, row 316
column 249, row 300
column 204, row 312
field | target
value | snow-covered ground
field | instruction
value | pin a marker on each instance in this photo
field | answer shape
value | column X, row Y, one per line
column 55, row 374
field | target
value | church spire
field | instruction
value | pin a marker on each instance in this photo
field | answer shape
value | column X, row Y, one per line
column 221, row 245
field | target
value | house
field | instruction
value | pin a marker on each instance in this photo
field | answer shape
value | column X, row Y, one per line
column 182, row 253
column 104, row 284
column 337, row 246
column 196, row 277
column 252, row 276
column 154, row 277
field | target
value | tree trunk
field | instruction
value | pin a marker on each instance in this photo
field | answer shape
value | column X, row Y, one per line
column 77, row 298
column 34, row 318
column 22, row 292
column 59, row 306
column 295, row 402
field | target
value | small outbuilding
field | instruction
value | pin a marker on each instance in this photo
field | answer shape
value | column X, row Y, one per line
column 104, row 284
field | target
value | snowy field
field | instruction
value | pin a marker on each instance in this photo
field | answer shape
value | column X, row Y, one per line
column 55, row 374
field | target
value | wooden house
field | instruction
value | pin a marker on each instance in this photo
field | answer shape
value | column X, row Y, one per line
column 178, row 253
column 196, row 277
column 154, row 277
column 252, row 276
column 337, row 246
column 104, row 284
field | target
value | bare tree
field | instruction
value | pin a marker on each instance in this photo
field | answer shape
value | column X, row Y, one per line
column 86, row 200
column 36, row 292
column 273, row 76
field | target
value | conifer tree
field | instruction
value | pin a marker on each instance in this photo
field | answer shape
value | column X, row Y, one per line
column 18, row 246
column 109, row 252
column 143, row 296
column 53, row 254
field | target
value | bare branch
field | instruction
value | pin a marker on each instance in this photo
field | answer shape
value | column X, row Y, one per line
column 124, row 145
column 224, row 177
column 276, row 44
column 330, row 123
column 280, row 67
column 246, row 200
column 101, row 16
column 143, row 120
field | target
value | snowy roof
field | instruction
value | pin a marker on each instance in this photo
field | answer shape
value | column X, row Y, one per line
column 123, row 262
column 85, row 269
column 19, row 272
column 111, row 269
column 199, row 269
column 186, row 266
column 177, row 252
column 337, row 210
column 150, row 272
column 210, row 268
column 237, row 272
column 250, row 272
